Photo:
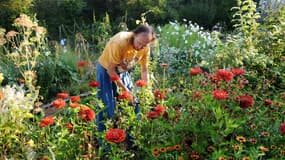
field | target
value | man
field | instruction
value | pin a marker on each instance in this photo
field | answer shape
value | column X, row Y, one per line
column 121, row 53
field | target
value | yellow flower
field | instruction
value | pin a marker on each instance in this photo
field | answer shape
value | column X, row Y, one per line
column 29, row 115
column 236, row 147
column 1, row 77
column 245, row 158
column 31, row 143
column 241, row 139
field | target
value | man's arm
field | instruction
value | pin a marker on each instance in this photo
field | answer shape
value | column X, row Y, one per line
column 111, row 70
column 144, row 73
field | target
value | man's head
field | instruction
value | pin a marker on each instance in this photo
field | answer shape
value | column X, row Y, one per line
column 143, row 35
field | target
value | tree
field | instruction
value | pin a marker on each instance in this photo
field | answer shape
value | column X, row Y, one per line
column 10, row 9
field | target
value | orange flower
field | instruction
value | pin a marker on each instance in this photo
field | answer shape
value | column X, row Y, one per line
column 196, row 95
column 236, row 147
column 177, row 147
column 74, row 105
column 94, row 84
column 180, row 158
column 47, row 121
column 141, row 83
column 68, row 126
column 265, row 134
column 160, row 109
column 220, row 94
column 115, row 135
column 75, row 98
column 241, row 139
column 253, row 140
column 62, row 95
column 210, row 149
column 125, row 95
column 86, row 113
column 222, row 158
column 194, row 155
column 114, row 77
column 273, row 147
column 263, row 149
column 195, row 71
column 245, row 158
column 58, row 103
column 282, row 152
column 170, row 148
column 155, row 154
column 163, row 149
column 253, row 126
column 164, row 64
column 155, row 150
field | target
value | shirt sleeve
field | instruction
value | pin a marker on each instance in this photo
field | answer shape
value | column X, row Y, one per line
column 145, row 58
column 113, row 50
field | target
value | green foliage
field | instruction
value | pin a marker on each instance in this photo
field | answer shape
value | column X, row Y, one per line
column 10, row 9
column 63, row 75
column 55, row 13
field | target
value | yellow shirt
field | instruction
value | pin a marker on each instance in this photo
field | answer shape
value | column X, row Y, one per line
column 119, row 50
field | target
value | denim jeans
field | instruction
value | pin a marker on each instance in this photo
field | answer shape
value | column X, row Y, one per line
column 107, row 93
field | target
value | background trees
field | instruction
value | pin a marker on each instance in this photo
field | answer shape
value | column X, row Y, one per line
column 76, row 15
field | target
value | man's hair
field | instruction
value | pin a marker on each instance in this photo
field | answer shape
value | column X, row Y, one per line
column 145, row 29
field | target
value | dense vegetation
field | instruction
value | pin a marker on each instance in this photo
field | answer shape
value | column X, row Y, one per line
column 213, row 94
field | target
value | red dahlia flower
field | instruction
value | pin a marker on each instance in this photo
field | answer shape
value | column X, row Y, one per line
column 125, row 95
column 86, row 113
column 237, row 71
column 159, row 94
column 75, row 98
column 225, row 75
column 160, row 109
column 115, row 135
column 58, row 103
column 62, row 95
column 141, row 83
column 153, row 115
column 94, row 84
column 46, row 121
column 246, row 101
column 195, row 71
column 220, row 94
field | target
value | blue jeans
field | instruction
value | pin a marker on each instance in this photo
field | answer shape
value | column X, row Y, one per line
column 107, row 93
